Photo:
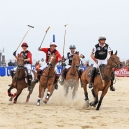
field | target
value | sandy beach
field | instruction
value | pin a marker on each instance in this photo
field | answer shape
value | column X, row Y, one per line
column 63, row 113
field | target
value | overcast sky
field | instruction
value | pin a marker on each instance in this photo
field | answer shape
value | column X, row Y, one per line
column 86, row 19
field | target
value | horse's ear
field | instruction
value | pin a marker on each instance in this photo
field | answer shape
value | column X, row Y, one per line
column 77, row 53
column 116, row 52
column 111, row 53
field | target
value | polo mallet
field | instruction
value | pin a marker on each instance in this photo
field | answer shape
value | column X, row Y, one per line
column 64, row 43
column 101, row 77
column 64, row 39
column 44, row 36
column 25, row 36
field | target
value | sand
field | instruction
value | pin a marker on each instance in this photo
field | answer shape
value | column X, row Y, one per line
column 63, row 113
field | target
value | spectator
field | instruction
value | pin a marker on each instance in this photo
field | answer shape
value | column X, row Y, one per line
column 43, row 62
column 37, row 65
column 10, row 63
column 15, row 63
column 3, row 64
column 86, row 64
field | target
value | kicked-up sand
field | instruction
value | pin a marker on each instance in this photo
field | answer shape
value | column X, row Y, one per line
column 64, row 113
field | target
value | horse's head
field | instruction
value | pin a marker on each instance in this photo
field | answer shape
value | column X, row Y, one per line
column 76, row 61
column 114, row 61
column 20, row 61
column 52, row 60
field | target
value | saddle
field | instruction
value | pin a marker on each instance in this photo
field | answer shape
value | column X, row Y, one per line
column 101, row 67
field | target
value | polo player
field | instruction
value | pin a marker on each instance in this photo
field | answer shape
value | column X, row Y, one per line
column 48, row 51
column 69, row 57
column 27, row 63
column 99, row 55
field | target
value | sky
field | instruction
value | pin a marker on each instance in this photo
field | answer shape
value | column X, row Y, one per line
column 86, row 19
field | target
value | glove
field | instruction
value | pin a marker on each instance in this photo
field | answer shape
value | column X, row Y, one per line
column 14, row 53
column 39, row 48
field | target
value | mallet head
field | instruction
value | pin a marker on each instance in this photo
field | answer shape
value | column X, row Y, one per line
column 65, row 25
column 30, row 26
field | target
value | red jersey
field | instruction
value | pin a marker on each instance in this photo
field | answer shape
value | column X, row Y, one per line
column 48, row 52
column 27, row 54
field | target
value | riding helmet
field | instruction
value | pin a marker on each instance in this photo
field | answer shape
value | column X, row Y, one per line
column 72, row 47
column 102, row 38
column 24, row 44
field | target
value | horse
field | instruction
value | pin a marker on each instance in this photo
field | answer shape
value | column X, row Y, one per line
column 113, row 62
column 72, row 77
column 47, row 80
column 19, row 81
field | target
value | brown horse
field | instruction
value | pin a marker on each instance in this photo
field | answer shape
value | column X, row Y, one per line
column 113, row 62
column 47, row 80
column 19, row 81
column 72, row 76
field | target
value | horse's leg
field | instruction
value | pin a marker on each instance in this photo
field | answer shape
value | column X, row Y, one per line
column 66, row 88
column 95, row 94
column 84, row 84
column 48, row 94
column 11, row 95
column 30, row 92
column 43, row 91
column 75, row 91
column 101, row 98
column 17, row 95
column 40, row 94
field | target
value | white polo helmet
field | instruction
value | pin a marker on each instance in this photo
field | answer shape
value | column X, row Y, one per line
column 53, row 43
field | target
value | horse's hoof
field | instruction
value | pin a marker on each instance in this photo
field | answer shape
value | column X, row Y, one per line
column 97, row 109
column 45, row 101
column 93, row 104
column 27, row 100
column 38, row 104
column 11, row 99
column 14, row 101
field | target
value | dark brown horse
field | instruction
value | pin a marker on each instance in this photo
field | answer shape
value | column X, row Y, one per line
column 72, row 77
column 47, row 80
column 19, row 81
column 113, row 62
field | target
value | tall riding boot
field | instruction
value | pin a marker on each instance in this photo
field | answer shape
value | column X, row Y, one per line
column 80, row 71
column 39, row 73
column 29, row 82
column 56, row 81
column 92, row 77
column 12, row 73
column 64, row 71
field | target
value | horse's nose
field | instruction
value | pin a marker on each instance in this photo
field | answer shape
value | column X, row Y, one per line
column 77, row 66
column 49, row 64
column 121, row 65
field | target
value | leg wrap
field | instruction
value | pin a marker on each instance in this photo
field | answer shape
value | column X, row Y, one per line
column 48, row 94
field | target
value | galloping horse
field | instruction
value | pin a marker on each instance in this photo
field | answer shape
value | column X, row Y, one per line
column 72, row 76
column 47, row 80
column 113, row 62
column 19, row 81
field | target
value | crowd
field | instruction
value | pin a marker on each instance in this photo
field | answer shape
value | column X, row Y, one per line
column 11, row 63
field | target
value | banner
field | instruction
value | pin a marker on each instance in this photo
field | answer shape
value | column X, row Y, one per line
column 123, row 72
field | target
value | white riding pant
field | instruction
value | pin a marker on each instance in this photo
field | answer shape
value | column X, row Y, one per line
column 67, row 66
column 100, row 62
column 28, row 66
column 45, row 66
